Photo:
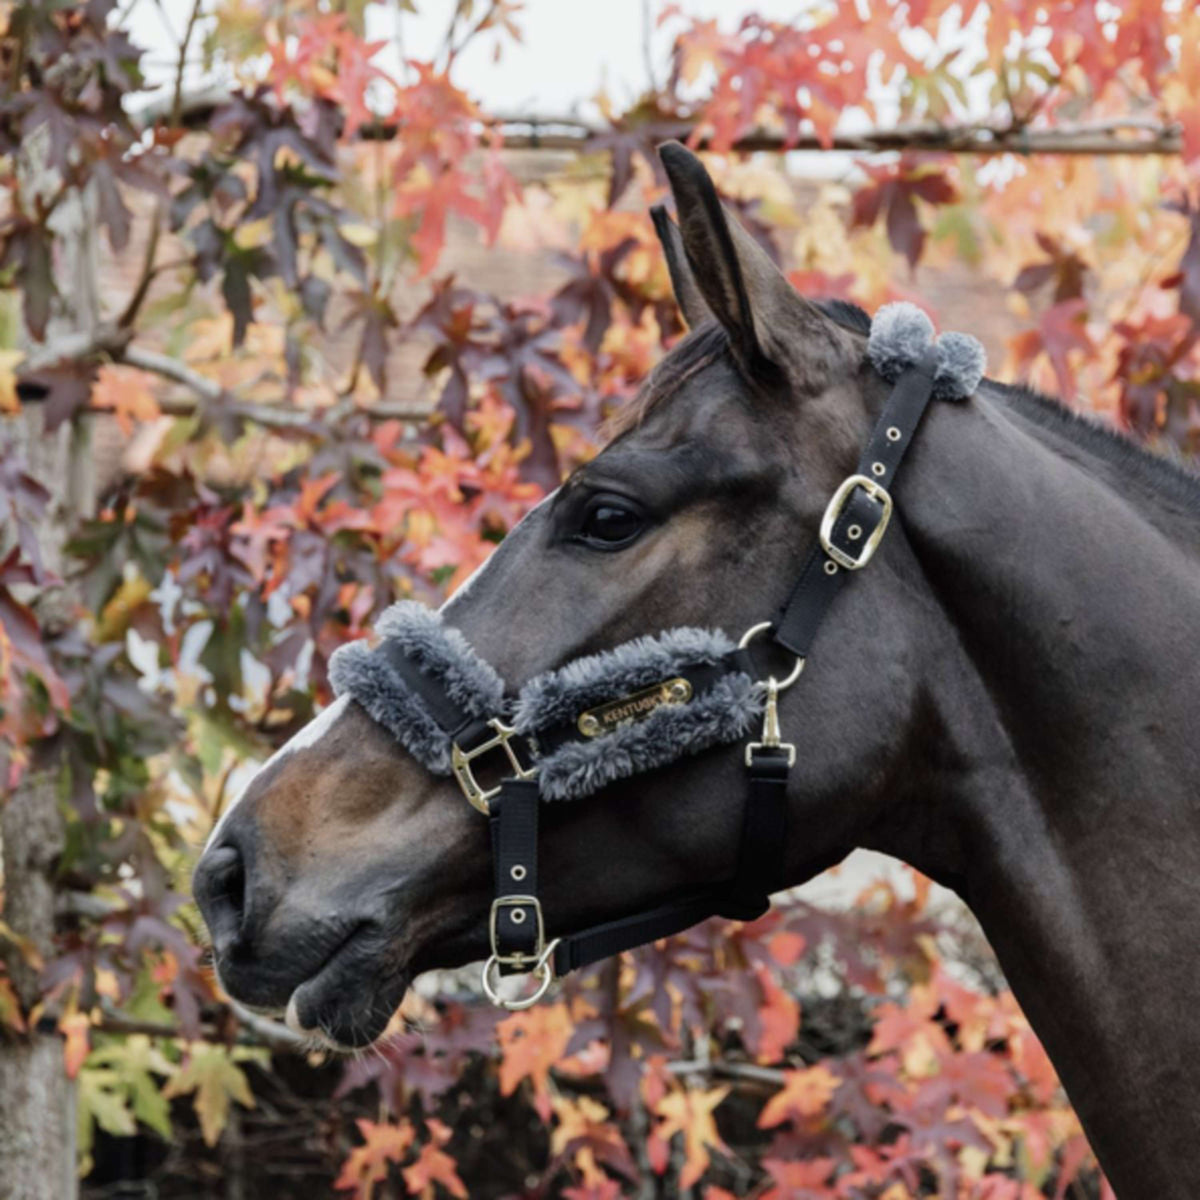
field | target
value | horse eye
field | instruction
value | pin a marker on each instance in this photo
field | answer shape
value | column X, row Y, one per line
column 609, row 524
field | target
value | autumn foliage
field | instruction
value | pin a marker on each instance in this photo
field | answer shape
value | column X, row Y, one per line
column 318, row 416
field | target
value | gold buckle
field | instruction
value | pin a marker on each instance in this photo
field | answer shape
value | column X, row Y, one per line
column 834, row 510
column 461, row 760
column 518, row 958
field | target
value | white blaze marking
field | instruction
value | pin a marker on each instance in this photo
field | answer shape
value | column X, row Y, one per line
column 309, row 735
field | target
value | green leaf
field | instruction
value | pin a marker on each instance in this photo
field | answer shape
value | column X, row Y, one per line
column 100, row 1099
column 135, row 1061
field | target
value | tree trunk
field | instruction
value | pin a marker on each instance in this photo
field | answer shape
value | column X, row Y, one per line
column 37, row 1112
column 37, row 1101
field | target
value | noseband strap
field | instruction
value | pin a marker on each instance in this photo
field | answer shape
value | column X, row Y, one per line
column 608, row 716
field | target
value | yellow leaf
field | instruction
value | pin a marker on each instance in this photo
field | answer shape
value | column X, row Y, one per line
column 214, row 1079
column 689, row 1111
column 121, row 610
column 805, row 1094
column 8, row 380
column 358, row 234
column 253, row 234
column 10, row 1006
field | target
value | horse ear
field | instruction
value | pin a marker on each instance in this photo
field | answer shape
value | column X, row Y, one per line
column 683, row 282
column 764, row 315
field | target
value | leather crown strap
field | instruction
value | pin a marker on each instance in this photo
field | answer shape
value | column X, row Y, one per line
column 851, row 530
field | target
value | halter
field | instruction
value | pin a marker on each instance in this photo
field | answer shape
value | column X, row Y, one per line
column 605, row 717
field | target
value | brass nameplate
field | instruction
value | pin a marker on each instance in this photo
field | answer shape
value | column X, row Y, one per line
column 606, row 717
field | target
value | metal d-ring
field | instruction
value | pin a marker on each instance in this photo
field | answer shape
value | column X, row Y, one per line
column 542, row 970
column 754, row 631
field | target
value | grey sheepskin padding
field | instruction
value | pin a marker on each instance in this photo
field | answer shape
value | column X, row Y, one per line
column 900, row 334
column 558, row 696
column 723, row 713
column 440, row 652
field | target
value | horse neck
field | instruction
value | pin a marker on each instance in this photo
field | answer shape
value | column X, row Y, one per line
column 1066, row 730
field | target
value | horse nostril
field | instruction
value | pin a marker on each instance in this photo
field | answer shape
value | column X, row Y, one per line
column 219, row 886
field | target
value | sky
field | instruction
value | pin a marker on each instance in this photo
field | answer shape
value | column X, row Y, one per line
column 571, row 48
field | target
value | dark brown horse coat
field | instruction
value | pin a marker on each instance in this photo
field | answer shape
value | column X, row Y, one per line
column 1005, row 698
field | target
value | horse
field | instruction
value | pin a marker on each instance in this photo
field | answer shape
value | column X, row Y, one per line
column 1004, row 700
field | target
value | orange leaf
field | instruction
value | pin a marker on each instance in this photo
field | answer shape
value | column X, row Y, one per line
column 126, row 392
column 367, row 1164
column 688, row 1112
column 779, row 1019
column 786, row 948
column 75, row 1028
column 433, row 1165
column 531, row 1043
column 805, row 1094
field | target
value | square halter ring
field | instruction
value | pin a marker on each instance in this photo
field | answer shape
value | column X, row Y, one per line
column 461, row 760
column 833, row 512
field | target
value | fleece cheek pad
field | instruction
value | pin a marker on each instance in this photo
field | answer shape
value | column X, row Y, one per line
column 721, row 709
column 381, row 680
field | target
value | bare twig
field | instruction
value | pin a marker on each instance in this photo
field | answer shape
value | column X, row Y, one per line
column 127, row 318
column 112, row 344
column 722, row 1069
column 171, row 368
column 265, row 1031
column 177, row 98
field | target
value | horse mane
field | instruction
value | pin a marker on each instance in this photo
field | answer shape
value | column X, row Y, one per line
column 1162, row 470
column 690, row 355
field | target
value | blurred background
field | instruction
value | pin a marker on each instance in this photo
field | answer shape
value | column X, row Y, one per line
column 303, row 304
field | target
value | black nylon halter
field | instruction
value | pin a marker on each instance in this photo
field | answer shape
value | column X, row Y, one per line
column 851, row 530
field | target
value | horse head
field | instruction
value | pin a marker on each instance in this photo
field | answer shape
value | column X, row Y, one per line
column 346, row 866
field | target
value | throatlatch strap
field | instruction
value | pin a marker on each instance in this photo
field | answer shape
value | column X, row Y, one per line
column 823, row 577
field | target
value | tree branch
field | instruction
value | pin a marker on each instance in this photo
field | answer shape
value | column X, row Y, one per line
column 112, row 344
column 266, row 1031
column 1122, row 135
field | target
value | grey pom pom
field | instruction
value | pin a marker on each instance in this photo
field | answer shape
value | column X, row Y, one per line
column 900, row 335
column 961, row 363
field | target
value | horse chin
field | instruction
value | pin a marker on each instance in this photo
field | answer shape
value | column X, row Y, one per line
column 348, row 1003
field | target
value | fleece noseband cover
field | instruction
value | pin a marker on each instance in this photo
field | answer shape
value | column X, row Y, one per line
column 721, row 704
